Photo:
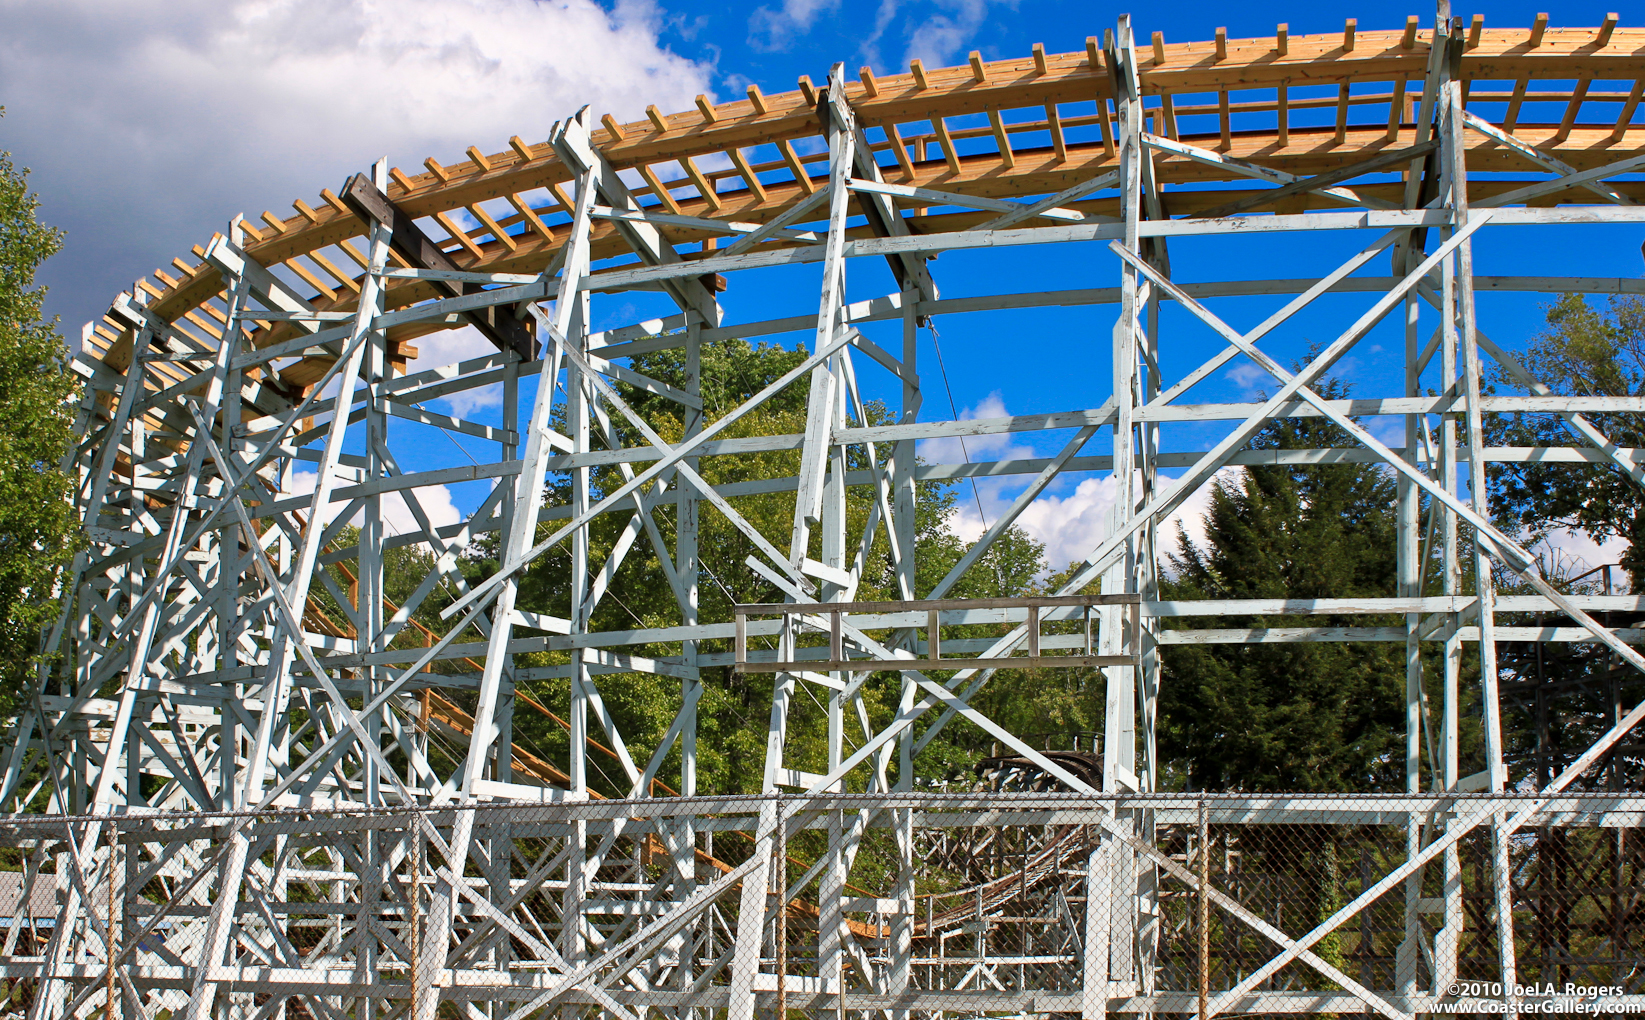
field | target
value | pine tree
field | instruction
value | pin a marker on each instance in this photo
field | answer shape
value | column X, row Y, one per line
column 1310, row 716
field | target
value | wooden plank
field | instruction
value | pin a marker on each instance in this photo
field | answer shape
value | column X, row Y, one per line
column 1572, row 108
column 574, row 146
column 704, row 188
column 934, row 605
column 497, row 232
column 1491, row 55
column 1626, row 117
column 1002, row 139
column 1396, row 109
column 943, row 139
column 496, row 323
column 1542, row 159
column 1514, row 102
column 797, row 167
column 1282, row 108
column 458, row 234
column 529, row 215
column 665, row 198
column 1377, row 163
column 900, row 150
column 1010, row 662
column 750, row 179
column 1302, row 155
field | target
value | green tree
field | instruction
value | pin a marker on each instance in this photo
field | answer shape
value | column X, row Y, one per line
column 735, row 709
column 1314, row 716
column 1559, row 697
column 1584, row 351
column 38, row 524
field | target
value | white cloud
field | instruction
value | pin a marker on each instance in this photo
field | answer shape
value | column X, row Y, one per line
column 1074, row 525
column 1388, row 430
column 995, row 446
column 447, row 347
column 1249, row 377
column 435, row 501
column 1071, row 526
column 773, row 30
column 882, row 21
column 149, row 125
column 942, row 38
column 1571, row 553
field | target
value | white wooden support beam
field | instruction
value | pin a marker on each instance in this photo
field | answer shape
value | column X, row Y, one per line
column 1565, row 182
column 576, row 147
column 735, row 229
column 1539, row 157
column 497, row 323
column 883, row 218
column 1257, row 171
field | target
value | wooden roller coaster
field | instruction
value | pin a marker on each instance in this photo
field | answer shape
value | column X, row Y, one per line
column 200, row 671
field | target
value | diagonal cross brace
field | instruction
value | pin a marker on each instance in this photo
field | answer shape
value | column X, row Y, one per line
column 670, row 459
column 1324, row 183
column 1294, row 184
column 1540, row 158
column 496, row 323
column 1491, row 539
column 576, row 149
column 1215, row 459
column 1563, row 183
column 1219, row 455
column 883, row 218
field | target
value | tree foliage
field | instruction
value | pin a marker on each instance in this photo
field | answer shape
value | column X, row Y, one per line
column 1316, row 716
column 38, row 523
column 735, row 708
column 1560, row 697
column 1588, row 352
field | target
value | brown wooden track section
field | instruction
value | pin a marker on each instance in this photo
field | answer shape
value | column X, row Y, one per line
column 1052, row 111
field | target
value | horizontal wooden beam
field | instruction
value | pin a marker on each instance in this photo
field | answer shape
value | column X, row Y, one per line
column 1009, row 662
column 496, row 323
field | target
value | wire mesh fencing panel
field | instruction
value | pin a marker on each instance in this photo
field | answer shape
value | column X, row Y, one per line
column 1017, row 904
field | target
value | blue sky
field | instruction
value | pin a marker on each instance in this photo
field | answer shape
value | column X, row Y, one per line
column 149, row 127
column 1058, row 359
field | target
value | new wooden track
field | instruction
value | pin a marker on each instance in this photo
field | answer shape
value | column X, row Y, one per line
column 1033, row 125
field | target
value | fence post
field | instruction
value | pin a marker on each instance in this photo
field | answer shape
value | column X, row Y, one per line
column 413, row 893
column 1204, row 919
column 779, row 860
column 109, row 950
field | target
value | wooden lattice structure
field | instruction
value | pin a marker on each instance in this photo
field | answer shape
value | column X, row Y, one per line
column 202, row 680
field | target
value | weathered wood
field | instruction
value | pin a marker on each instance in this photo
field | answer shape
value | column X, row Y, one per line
column 933, row 605
column 498, row 324
column 199, row 530
column 1009, row 662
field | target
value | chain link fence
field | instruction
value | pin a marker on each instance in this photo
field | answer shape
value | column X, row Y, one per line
column 1017, row 904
